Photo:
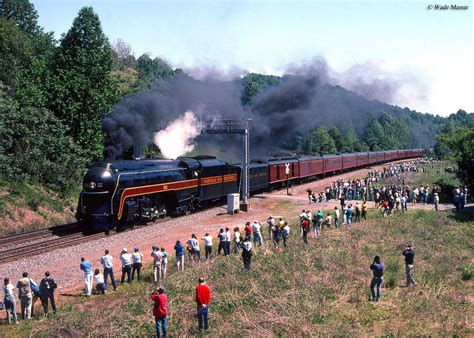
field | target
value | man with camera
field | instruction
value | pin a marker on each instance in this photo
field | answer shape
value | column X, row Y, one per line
column 377, row 268
column 409, row 254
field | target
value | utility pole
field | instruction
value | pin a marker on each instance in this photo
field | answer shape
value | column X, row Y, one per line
column 235, row 126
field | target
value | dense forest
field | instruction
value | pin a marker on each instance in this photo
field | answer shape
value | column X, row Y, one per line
column 54, row 96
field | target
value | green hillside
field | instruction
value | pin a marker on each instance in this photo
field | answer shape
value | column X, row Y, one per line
column 315, row 289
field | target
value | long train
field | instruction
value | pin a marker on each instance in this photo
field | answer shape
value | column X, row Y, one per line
column 118, row 193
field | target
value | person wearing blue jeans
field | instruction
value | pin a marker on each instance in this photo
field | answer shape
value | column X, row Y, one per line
column 377, row 268
column 160, row 311
column 9, row 301
column 203, row 297
column 108, row 264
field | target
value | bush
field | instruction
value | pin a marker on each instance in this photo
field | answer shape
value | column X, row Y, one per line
column 467, row 273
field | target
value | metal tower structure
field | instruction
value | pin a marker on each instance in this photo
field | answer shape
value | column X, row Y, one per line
column 234, row 126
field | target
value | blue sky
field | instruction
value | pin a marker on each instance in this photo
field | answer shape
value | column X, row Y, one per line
column 429, row 52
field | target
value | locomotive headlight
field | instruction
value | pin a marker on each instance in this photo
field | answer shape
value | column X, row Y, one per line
column 106, row 174
column 92, row 185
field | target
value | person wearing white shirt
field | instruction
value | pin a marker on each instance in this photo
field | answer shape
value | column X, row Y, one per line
column 227, row 239
column 257, row 233
column 126, row 260
column 207, row 245
column 194, row 243
column 137, row 263
column 236, row 240
column 99, row 282
column 9, row 301
column 271, row 225
column 157, row 263
column 107, row 262
column 247, row 253
column 286, row 234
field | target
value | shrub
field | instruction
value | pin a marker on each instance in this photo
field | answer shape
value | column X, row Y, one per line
column 467, row 273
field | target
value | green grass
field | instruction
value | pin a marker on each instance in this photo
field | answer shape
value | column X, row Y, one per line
column 315, row 289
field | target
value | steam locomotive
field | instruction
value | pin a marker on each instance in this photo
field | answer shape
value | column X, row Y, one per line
column 118, row 193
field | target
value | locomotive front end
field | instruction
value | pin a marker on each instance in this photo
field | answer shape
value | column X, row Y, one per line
column 94, row 209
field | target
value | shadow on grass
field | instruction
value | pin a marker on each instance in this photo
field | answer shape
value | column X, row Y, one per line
column 72, row 294
column 466, row 215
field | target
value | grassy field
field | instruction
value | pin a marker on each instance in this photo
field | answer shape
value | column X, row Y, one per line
column 315, row 289
column 26, row 207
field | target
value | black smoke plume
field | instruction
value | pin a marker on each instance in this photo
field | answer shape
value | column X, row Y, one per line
column 306, row 98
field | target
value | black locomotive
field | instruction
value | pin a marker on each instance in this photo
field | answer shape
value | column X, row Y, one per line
column 118, row 193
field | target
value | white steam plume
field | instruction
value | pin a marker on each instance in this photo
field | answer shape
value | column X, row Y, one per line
column 177, row 138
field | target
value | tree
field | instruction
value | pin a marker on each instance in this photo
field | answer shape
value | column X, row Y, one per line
column 374, row 134
column 33, row 146
column 335, row 134
column 253, row 83
column 150, row 71
column 123, row 56
column 84, row 90
column 461, row 146
column 23, row 14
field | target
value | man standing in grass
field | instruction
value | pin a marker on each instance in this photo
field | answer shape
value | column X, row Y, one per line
column 247, row 253
column 336, row 217
column 107, row 262
column 409, row 254
column 160, row 311
column 179, row 249
column 377, row 271
column 257, row 233
column 207, row 245
column 157, row 263
column 86, row 266
column 203, row 297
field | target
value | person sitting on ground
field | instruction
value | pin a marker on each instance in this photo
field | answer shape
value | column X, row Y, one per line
column 99, row 282
column 327, row 221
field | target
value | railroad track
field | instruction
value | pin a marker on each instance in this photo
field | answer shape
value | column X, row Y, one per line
column 46, row 245
column 9, row 241
column 40, row 241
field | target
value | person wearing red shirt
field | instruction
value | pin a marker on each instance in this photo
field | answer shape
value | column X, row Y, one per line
column 248, row 230
column 160, row 311
column 203, row 297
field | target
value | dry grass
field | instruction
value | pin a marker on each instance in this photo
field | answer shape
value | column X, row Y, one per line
column 315, row 289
